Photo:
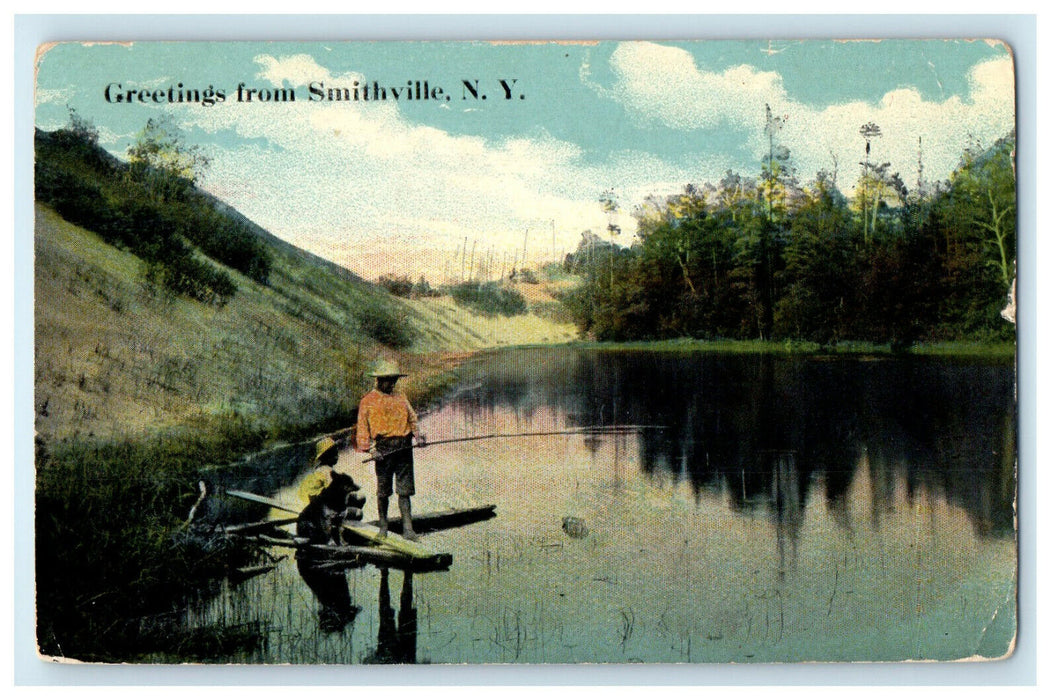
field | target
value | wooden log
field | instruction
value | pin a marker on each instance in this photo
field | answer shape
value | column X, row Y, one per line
column 263, row 500
column 392, row 541
column 364, row 554
column 335, row 565
column 255, row 527
column 282, row 542
column 367, row 533
column 446, row 519
column 352, row 552
column 325, row 554
column 354, row 555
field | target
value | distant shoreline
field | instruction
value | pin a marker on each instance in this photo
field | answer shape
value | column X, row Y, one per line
column 786, row 347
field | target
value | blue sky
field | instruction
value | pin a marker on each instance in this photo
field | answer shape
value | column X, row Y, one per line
column 397, row 186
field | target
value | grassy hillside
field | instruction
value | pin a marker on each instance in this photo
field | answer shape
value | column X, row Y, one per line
column 116, row 356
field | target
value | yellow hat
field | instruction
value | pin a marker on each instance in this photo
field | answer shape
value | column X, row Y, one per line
column 386, row 368
column 323, row 445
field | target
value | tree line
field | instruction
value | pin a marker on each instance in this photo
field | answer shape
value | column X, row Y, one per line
column 768, row 257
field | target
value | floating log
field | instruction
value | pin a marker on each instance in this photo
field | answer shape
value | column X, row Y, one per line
column 342, row 556
column 431, row 521
column 391, row 540
column 338, row 564
column 327, row 555
column 260, row 526
column 434, row 521
column 283, row 541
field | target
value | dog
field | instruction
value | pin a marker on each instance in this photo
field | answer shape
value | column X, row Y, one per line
column 321, row 520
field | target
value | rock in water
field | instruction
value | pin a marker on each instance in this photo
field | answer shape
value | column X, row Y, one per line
column 574, row 527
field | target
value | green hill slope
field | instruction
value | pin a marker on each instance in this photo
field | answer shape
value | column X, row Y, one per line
column 116, row 356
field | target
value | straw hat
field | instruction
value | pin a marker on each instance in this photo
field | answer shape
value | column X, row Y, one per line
column 323, row 445
column 386, row 368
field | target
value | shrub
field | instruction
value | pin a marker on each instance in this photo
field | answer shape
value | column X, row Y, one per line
column 397, row 286
column 385, row 326
column 403, row 286
column 489, row 298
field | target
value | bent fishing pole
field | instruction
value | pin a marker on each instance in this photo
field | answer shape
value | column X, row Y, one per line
column 589, row 430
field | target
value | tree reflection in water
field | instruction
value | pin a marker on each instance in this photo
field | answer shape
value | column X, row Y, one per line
column 764, row 428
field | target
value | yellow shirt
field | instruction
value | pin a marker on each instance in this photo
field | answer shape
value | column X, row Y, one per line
column 383, row 415
column 314, row 483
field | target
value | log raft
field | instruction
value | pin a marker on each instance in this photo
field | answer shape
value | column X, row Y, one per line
column 391, row 550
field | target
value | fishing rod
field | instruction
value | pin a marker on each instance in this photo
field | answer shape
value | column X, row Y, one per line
column 591, row 430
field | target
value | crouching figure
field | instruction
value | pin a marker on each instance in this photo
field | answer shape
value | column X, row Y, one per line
column 333, row 498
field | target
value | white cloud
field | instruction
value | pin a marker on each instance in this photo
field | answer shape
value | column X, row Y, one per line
column 297, row 70
column 945, row 127
column 690, row 98
column 360, row 184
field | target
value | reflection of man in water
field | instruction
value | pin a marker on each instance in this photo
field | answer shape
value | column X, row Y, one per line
column 396, row 640
column 331, row 587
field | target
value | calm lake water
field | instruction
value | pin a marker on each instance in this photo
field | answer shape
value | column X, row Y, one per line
column 784, row 509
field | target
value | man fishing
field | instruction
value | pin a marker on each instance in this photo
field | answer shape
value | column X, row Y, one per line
column 385, row 427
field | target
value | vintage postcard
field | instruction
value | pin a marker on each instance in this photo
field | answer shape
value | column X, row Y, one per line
column 525, row 353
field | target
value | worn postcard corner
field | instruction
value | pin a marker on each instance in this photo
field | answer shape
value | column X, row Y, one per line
column 525, row 352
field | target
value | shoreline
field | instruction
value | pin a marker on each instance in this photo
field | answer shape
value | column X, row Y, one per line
column 953, row 349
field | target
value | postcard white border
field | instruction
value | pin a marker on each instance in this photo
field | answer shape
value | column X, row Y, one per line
column 1019, row 31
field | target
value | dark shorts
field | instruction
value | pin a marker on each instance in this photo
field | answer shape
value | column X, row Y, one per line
column 398, row 467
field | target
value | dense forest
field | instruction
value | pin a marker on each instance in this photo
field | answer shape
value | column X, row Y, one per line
column 768, row 257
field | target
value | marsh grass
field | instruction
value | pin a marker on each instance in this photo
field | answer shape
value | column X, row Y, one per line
column 112, row 549
column 117, row 559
